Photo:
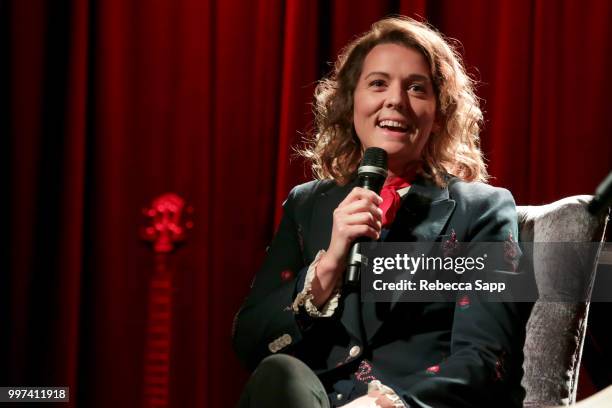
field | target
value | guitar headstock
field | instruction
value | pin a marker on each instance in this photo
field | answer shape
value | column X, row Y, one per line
column 167, row 222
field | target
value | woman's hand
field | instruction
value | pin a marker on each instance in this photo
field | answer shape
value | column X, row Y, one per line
column 358, row 215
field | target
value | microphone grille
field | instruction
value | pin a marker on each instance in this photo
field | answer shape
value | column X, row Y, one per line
column 375, row 156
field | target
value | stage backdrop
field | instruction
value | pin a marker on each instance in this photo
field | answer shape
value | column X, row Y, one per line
column 108, row 104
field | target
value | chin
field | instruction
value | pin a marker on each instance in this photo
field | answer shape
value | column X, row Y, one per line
column 402, row 156
column 396, row 149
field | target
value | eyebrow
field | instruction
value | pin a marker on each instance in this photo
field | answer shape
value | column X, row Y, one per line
column 411, row 76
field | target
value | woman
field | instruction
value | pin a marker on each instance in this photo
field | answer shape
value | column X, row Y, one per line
column 400, row 87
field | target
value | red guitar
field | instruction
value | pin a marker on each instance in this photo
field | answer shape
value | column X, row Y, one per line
column 166, row 228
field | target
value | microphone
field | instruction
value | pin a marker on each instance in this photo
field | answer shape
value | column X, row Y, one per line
column 371, row 175
column 603, row 196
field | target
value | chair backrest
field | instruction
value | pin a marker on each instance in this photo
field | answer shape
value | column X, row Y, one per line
column 555, row 330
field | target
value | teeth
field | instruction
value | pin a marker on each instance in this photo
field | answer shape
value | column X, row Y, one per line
column 392, row 123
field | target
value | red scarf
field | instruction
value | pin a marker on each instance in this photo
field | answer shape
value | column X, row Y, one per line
column 391, row 198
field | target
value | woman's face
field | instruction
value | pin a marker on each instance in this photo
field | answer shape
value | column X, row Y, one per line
column 395, row 104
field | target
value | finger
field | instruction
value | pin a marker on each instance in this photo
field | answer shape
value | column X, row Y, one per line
column 359, row 193
column 361, row 230
column 365, row 218
column 364, row 194
column 362, row 206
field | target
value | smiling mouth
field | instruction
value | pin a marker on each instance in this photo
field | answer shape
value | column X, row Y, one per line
column 393, row 125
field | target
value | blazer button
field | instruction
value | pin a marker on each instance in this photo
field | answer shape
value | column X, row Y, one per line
column 354, row 352
column 338, row 397
column 286, row 340
column 273, row 347
column 280, row 343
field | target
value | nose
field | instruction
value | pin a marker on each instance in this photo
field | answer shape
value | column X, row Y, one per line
column 396, row 97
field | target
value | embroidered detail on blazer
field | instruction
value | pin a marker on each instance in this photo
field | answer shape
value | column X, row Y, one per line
column 511, row 252
column 464, row 302
column 451, row 245
column 286, row 275
column 434, row 369
column 500, row 367
column 364, row 372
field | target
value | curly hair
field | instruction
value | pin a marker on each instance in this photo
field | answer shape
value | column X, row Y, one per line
column 335, row 150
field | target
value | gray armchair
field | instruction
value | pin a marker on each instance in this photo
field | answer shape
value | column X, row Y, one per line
column 556, row 330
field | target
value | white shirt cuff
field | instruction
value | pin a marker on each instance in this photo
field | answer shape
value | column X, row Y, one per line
column 304, row 298
column 382, row 389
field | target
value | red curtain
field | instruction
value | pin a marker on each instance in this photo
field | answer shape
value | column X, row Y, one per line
column 110, row 103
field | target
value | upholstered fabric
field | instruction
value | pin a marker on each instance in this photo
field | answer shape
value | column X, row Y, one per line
column 555, row 330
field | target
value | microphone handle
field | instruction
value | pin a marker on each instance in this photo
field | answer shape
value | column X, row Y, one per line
column 373, row 182
column 353, row 267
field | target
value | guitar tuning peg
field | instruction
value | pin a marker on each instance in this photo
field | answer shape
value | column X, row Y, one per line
column 166, row 222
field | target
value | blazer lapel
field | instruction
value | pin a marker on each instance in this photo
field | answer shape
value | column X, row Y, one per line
column 424, row 212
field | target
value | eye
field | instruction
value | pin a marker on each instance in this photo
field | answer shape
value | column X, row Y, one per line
column 417, row 87
column 377, row 83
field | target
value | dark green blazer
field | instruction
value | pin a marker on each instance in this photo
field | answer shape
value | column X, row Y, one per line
column 444, row 354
